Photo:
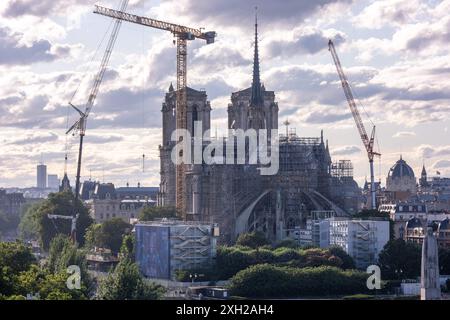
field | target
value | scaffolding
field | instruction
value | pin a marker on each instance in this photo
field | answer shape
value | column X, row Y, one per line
column 342, row 169
column 165, row 246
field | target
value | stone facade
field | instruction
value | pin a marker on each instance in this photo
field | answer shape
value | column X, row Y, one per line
column 198, row 109
column 236, row 196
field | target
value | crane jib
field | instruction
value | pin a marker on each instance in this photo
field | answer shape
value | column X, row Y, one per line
column 176, row 29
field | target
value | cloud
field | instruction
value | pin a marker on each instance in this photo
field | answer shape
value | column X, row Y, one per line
column 32, row 139
column 441, row 164
column 427, row 151
column 241, row 13
column 13, row 52
column 425, row 35
column 42, row 8
column 304, row 40
column 391, row 12
column 346, row 150
column 404, row 134
column 320, row 117
column 97, row 139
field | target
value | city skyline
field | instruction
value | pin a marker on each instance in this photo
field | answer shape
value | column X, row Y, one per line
column 399, row 73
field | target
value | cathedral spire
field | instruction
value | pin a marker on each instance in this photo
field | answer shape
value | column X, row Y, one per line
column 257, row 98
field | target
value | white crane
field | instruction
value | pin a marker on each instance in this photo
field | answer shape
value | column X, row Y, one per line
column 73, row 226
column 80, row 126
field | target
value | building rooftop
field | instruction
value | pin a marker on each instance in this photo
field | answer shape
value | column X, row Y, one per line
column 401, row 169
column 414, row 223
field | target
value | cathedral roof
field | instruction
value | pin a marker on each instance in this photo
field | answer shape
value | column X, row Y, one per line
column 401, row 169
column 190, row 91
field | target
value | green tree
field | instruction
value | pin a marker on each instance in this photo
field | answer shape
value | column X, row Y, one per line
column 400, row 260
column 62, row 254
column 444, row 261
column 49, row 286
column 288, row 243
column 371, row 213
column 153, row 213
column 108, row 234
column 230, row 260
column 347, row 261
column 28, row 226
column 127, row 250
column 252, row 240
column 8, row 281
column 270, row 281
column 16, row 256
column 126, row 283
column 62, row 203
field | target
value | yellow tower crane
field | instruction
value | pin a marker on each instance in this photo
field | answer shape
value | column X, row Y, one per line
column 182, row 34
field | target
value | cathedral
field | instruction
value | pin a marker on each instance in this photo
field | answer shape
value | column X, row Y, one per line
column 236, row 196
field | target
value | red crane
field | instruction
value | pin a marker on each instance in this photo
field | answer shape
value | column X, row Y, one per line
column 368, row 142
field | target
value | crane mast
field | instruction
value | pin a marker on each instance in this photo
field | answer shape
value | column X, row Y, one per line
column 367, row 141
column 182, row 34
column 80, row 125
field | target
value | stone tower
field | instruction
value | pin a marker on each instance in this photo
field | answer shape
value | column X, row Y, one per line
column 430, row 288
column 65, row 184
column 198, row 109
column 423, row 178
column 254, row 107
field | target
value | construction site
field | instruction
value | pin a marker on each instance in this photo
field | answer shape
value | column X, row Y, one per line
column 236, row 197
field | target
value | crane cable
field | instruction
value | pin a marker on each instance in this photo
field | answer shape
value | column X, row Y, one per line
column 94, row 56
column 373, row 124
column 143, row 102
column 366, row 113
column 84, row 73
column 358, row 100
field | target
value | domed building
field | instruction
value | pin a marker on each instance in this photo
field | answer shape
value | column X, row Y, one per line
column 401, row 182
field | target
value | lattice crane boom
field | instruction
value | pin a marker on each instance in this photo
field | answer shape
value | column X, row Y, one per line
column 367, row 141
column 190, row 33
column 182, row 34
column 80, row 126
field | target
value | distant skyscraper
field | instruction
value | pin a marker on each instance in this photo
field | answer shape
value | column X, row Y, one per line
column 41, row 176
column 53, row 181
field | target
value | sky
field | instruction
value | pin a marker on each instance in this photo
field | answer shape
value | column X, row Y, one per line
column 396, row 54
